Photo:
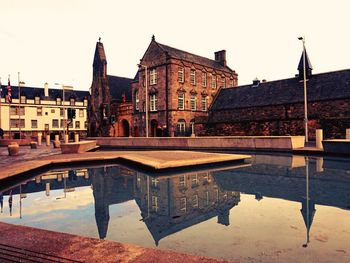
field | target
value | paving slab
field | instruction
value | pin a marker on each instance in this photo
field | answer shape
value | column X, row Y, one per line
column 153, row 159
column 19, row 243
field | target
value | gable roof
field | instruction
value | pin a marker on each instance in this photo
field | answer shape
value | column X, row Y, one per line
column 324, row 86
column 32, row 92
column 184, row 55
column 119, row 86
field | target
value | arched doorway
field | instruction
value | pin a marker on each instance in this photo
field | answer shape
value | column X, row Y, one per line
column 154, row 125
column 125, row 128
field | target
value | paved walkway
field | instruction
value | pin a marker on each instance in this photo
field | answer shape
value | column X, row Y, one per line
column 26, row 244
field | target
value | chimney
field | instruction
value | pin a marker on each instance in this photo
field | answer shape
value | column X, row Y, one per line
column 46, row 89
column 220, row 57
column 256, row 82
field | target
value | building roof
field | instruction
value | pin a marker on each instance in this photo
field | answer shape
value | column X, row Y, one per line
column 308, row 65
column 180, row 54
column 100, row 55
column 32, row 92
column 119, row 87
column 325, row 86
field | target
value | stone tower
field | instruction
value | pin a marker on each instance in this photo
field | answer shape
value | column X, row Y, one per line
column 99, row 109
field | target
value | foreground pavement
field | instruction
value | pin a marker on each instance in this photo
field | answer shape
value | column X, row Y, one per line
column 26, row 244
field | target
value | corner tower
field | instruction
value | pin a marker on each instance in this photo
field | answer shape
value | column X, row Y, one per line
column 99, row 109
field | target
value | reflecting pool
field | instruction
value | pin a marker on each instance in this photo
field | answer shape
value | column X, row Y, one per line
column 272, row 209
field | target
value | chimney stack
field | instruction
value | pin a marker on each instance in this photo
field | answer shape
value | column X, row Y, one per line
column 220, row 57
column 46, row 89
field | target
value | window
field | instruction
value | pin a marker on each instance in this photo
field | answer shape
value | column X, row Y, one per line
column 182, row 181
column 81, row 113
column 181, row 75
column 85, row 103
column 223, row 82
column 181, row 127
column 14, row 123
column 181, row 101
column 62, row 112
column 16, row 110
column 23, row 99
column 192, row 127
column 36, row 100
column 55, row 123
column 155, row 206
column 52, row 110
column 195, row 201
column 193, row 102
column 137, row 100
column 70, row 124
column 231, row 82
column 153, row 77
column 86, row 125
column 194, row 179
column 63, row 123
column 183, row 204
column 77, row 124
column 58, row 101
column 204, row 79
column 204, row 103
column 72, row 101
column 213, row 82
column 154, row 102
column 155, row 182
column 193, row 77
column 34, row 124
column 39, row 111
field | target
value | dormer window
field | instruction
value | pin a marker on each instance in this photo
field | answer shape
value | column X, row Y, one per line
column 85, row 103
column 72, row 101
column 23, row 99
column 36, row 100
column 58, row 101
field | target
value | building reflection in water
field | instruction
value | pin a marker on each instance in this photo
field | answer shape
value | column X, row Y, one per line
column 169, row 204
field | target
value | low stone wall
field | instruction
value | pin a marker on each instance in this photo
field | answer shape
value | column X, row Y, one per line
column 337, row 146
column 273, row 143
column 78, row 147
column 21, row 142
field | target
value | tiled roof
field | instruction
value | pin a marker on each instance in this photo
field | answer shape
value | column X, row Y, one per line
column 119, row 86
column 32, row 92
column 180, row 54
column 325, row 86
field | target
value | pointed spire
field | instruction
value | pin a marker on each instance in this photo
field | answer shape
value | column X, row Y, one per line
column 153, row 38
column 308, row 66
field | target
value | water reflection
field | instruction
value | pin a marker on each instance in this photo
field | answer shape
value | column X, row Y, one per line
column 171, row 203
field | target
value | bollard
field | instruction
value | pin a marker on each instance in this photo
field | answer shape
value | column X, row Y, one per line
column 47, row 140
column 76, row 137
column 319, row 138
column 57, row 138
column 66, row 138
column 40, row 137
column 13, row 149
column 347, row 134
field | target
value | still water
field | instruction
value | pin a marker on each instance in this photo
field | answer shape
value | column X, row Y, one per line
column 272, row 209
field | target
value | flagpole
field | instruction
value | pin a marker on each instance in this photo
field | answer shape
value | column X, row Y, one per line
column 19, row 107
column 9, row 108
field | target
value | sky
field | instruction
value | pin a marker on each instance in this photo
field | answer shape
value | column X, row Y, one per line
column 54, row 41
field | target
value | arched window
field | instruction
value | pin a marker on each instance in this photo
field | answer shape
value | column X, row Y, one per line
column 137, row 100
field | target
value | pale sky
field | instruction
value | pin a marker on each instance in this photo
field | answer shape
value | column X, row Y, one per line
column 54, row 41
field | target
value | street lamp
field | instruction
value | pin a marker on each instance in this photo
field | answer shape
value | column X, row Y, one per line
column 64, row 122
column 146, row 96
column 305, row 92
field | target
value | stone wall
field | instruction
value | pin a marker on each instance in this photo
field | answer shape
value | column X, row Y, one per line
column 288, row 119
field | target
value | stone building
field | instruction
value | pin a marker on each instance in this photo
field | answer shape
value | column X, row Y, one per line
column 180, row 87
column 35, row 110
column 110, row 106
column 277, row 107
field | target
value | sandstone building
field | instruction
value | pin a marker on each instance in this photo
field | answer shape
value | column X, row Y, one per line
column 180, row 87
column 34, row 110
